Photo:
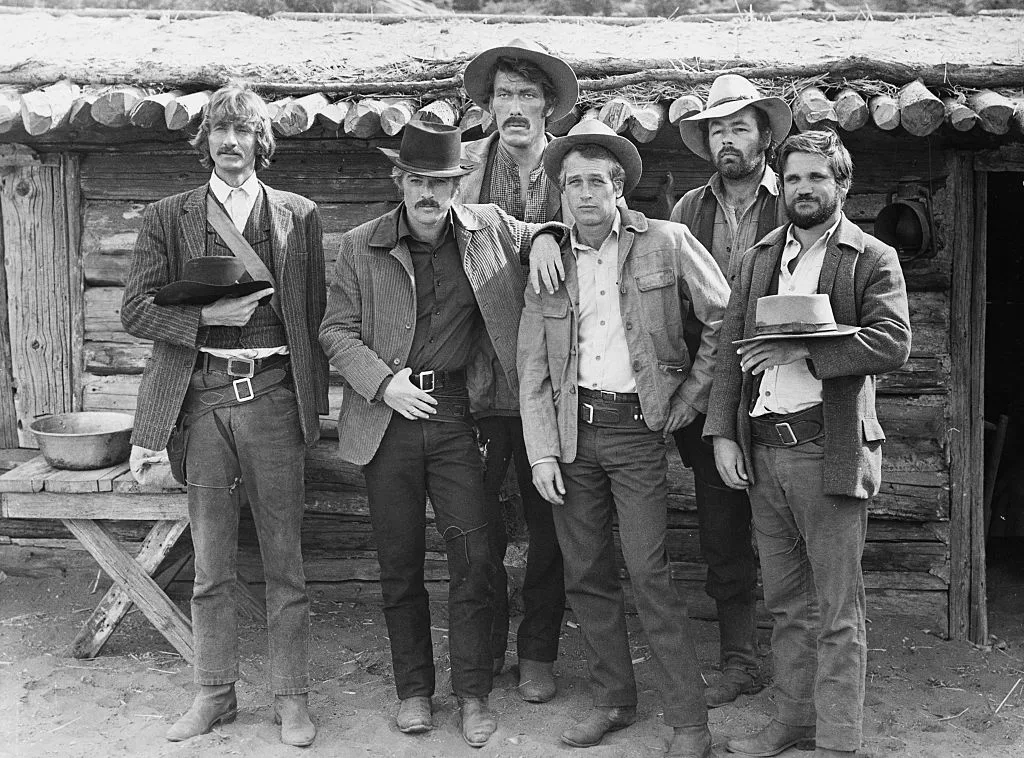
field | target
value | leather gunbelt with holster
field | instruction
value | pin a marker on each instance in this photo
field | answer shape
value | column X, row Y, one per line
column 453, row 405
column 788, row 429
column 610, row 409
column 245, row 379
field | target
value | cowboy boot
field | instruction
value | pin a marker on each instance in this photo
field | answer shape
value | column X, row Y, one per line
column 214, row 704
column 771, row 740
column 478, row 723
column 597, row 724
column 292, row 713
column 536, row 681
column 690, row 742
column 415, row 715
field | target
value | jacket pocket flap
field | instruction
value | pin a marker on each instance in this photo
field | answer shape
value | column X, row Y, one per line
column 555, row 308
column 654, row 281
column 872, row 430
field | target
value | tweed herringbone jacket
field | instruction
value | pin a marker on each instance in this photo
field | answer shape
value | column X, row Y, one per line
column 367, row 331
column 173, row 231
column 864, row 281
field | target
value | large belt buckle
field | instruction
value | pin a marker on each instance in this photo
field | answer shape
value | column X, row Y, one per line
column 609, row 397
column 422, row 376
column 243, row 389
column 785, row 432
column 590, row 413
column 248, row 363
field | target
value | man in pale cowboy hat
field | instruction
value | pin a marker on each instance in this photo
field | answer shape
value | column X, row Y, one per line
column 738, row 206
column 241, row 379
column 604, row 375
column 523, row 87
column 416, row 293
column 792, row 417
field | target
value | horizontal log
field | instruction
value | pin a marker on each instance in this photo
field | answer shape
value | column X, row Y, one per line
column 151, row 111
column 441, row 111
column 646, row 121
column 332, row 115
column 474, row 116
column 994, row 110
column 298, row 115
column 10, row 109
column 812, row 110
column 363, row 119
column 274, row 107
column 180, row 112
column 958, row 114
column 684, row 106
column 114, row 106
column 396, row 114
column 885, row 112
column 48, row 109
column 81, row 110
column 615, row 113
column 851, row 110
column 921, row 112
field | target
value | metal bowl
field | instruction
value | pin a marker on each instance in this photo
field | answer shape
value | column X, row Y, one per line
column 84, row 440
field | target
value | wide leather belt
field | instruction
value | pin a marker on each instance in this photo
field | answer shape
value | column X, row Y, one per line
column 429, row 381
column 451, row 409
column 241, row 390
column 788, row 429
column 610, row 409
column 240, row 367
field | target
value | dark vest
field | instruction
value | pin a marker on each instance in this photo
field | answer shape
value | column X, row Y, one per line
column 703, row 223
column 264, row 328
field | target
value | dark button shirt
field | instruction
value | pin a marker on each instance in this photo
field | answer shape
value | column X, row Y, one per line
column 506, row 189
column 447, row 316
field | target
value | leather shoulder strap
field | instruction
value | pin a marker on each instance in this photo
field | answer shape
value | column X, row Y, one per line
column 238, row 245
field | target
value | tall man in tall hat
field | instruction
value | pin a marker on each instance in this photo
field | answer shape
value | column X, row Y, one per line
column 523, row 87
column 738, row 206
column 818, row 308
column 604, row 375
column 417, row 292
column 241, row 381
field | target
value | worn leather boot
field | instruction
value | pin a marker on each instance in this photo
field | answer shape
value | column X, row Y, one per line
column 597, row 724
column 292, row 713
column 690, row 742
column 536, row 681
column 214, row 704
column 771, row 740
column 478, row 723
column 729, row 686
column 415, row 715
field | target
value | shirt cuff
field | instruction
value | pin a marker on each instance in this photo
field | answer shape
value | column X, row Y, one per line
column 545, row 459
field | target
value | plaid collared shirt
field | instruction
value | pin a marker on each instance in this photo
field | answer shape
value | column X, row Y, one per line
column 506, row 194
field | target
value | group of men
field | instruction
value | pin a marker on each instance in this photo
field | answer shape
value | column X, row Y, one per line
column 513, row 310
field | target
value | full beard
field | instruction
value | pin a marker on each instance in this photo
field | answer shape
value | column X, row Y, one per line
column 741, row 167
column 822, row 213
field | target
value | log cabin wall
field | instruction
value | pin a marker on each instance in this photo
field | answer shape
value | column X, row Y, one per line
column 907, row 557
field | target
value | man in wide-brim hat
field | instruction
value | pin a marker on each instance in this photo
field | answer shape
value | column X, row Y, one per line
column 523, row 87
column 738, row 206
column 604, row 375
column 419, row 294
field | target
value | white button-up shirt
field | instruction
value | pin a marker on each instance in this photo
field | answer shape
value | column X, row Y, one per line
column 239, row 201
column 792, row 387
column 604, row 355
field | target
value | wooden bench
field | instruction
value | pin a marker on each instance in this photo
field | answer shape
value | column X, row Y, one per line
column 82, row 500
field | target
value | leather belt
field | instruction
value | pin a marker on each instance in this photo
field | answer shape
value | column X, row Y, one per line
column 610, row 409
column 236, row 366
column 429, row 381
column 241, row 390
column 450, row 409
column 788, row 429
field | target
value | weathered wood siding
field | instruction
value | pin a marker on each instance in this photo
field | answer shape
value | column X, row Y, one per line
column 906, row 560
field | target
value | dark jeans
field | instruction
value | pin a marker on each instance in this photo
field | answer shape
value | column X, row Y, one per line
column 543, row 586
column 253, row 450
column 725, row 543
column 811, row 545
column 622, row 472
column 417, row 458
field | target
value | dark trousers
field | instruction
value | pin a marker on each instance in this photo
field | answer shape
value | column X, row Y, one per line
column 623, row 472
column 252, row 450
column 417, row 458
column 724, row 519
column 543, row 585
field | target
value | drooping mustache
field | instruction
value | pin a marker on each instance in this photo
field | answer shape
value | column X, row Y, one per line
column 516, row 121
column 427, row 204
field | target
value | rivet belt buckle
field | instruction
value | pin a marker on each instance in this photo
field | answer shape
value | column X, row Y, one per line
column 243, row 389
column 422, row 376
column 248, row 363
column 590, row 413
column 785, row 432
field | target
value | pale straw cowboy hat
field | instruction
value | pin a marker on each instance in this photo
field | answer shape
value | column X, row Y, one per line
column 567, row 88
column 730, row 93
column 795, row 317
column 591, row 131
column 430, row 149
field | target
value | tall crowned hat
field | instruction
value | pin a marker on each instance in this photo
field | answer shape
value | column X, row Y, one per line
column 430, row 149
column 567, row 87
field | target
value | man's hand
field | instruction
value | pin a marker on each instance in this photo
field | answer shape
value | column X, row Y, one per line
column 547, row 478
column 546, row 264
column 408, row 399
column 757, row 357
column 680, row 414
column 730, row 465
column 232, row 311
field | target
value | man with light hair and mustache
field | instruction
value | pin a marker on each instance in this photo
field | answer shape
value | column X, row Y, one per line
column 738, row 206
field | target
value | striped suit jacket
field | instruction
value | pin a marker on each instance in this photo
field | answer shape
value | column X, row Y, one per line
column 368, row 329
column 173, row 231
column 864, row 282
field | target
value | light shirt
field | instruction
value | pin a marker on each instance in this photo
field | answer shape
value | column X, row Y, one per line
column 604, row 355
column 239, row 202
column 792, row 387
column 736, row 228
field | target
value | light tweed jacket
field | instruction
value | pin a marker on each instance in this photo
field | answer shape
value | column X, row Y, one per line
column 371, row 305
column 173, row 231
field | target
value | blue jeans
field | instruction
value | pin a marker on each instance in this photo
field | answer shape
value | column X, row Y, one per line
column 543, row 585
column 810, row 545
column 254, row 450
column 622, row 472
column 417, row 458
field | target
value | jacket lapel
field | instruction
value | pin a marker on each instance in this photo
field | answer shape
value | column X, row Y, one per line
column 385, row 235
column 765, row 263
column 193, row 223
column 281, row 226
column 847, row 236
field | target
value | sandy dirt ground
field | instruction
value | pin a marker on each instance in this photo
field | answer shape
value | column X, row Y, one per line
column 926, row 697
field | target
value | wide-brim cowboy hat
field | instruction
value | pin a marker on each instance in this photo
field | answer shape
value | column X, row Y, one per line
column 591, row 131
column 795, row 317
column 430, row 149
column 207, row 279
column 567, row 87
column 729, row 94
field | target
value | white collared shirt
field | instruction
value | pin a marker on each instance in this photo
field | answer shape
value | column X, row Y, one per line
column 792, row 387
column 239, row 201
column 604, row 355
